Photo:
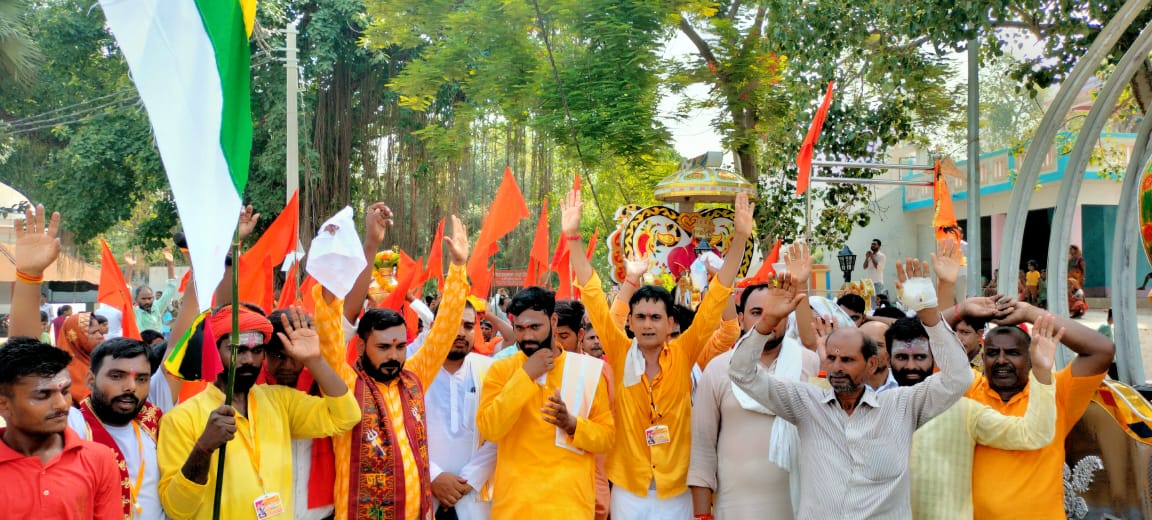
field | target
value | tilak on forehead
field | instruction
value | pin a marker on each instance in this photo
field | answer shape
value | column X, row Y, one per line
column 916, row 346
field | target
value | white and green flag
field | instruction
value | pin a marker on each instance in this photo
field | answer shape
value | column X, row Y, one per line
column 190, row 62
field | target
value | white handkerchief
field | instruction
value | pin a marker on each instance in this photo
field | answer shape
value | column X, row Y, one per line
column 634, row 365
column 336, row 257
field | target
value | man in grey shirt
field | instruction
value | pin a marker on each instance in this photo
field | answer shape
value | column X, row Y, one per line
column 855, row 443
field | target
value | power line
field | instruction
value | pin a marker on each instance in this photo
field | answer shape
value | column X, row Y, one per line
column 127, row 100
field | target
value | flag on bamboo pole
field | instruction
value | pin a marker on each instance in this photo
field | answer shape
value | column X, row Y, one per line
column 190, row 61
column 538, row 256
column 435, row 267
column 505, row 213
column 804, row 159
column 114, row 291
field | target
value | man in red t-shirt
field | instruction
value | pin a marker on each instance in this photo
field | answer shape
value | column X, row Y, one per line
column 48, row 472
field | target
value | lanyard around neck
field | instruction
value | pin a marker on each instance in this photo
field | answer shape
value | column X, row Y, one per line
column 253, row 445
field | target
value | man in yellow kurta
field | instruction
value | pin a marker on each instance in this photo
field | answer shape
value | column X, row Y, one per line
column 649, row 462
column 265, row 418
column 382, row 464
column 548, row 412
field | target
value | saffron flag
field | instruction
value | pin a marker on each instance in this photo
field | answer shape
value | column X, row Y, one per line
column 804, row 159
column 114, row 291
column 435, row 257
column 190, row 61
column 944, row 218
column 505, row 213
column 538, row 256
column 280, row 238
column 766, row 271
column 288, row 293
column 592, row 244
column 256, row 281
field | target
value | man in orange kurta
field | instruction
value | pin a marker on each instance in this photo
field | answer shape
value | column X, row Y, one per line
column 653, row 376
column 545, row 450
column 1007, row 484
column 382, row 464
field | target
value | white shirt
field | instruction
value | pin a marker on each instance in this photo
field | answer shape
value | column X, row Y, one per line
column 125, row 436
column 301, row 472
column 876, row 274
column 451, row 401
column 889, row 383
column 159, row 393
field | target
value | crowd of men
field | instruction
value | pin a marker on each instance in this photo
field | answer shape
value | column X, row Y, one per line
column 761, row 403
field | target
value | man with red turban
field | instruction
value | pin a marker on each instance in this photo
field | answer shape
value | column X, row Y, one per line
column 258, row 469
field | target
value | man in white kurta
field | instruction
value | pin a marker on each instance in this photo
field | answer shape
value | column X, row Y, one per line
column 738, row 432
column 453, row 441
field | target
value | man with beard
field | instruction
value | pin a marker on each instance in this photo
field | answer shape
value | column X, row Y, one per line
column 854, row 443
column 117, row 414
column 150, row 310
column 652, row 375
column 882, row 379
column 313, row 464
column 569, row 334
column 524, row 408
column 942, row 449
column 754, row 479
column 382, row 466
column 1031, row 478
column 258, row 469
column 459, row 461
column 47, row 470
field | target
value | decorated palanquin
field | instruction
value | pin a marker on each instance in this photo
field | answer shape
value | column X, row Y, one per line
column 862, row 288
column 1108, row 457
column 673, row 240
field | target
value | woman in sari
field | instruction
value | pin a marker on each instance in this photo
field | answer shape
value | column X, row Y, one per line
column 79, row 336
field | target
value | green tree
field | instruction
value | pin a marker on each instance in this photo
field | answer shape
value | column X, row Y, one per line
column 19, row 55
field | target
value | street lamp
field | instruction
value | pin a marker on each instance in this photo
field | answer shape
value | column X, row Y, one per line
column 847, row 263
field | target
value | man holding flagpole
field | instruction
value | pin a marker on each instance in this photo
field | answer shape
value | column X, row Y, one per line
column 266, row 418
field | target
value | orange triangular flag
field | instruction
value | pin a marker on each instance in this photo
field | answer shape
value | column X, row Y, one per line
column 398, row 298
column 592, row 244
column 184, row 281
column 288, row 292
column 505, row 213
column 804, row 159
column 306, row 299
column 435, row 257
column 538, row 257
column 114, row 291
column 281, row 237
column 564, row 292
column 766, row 271
column 256, row 281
